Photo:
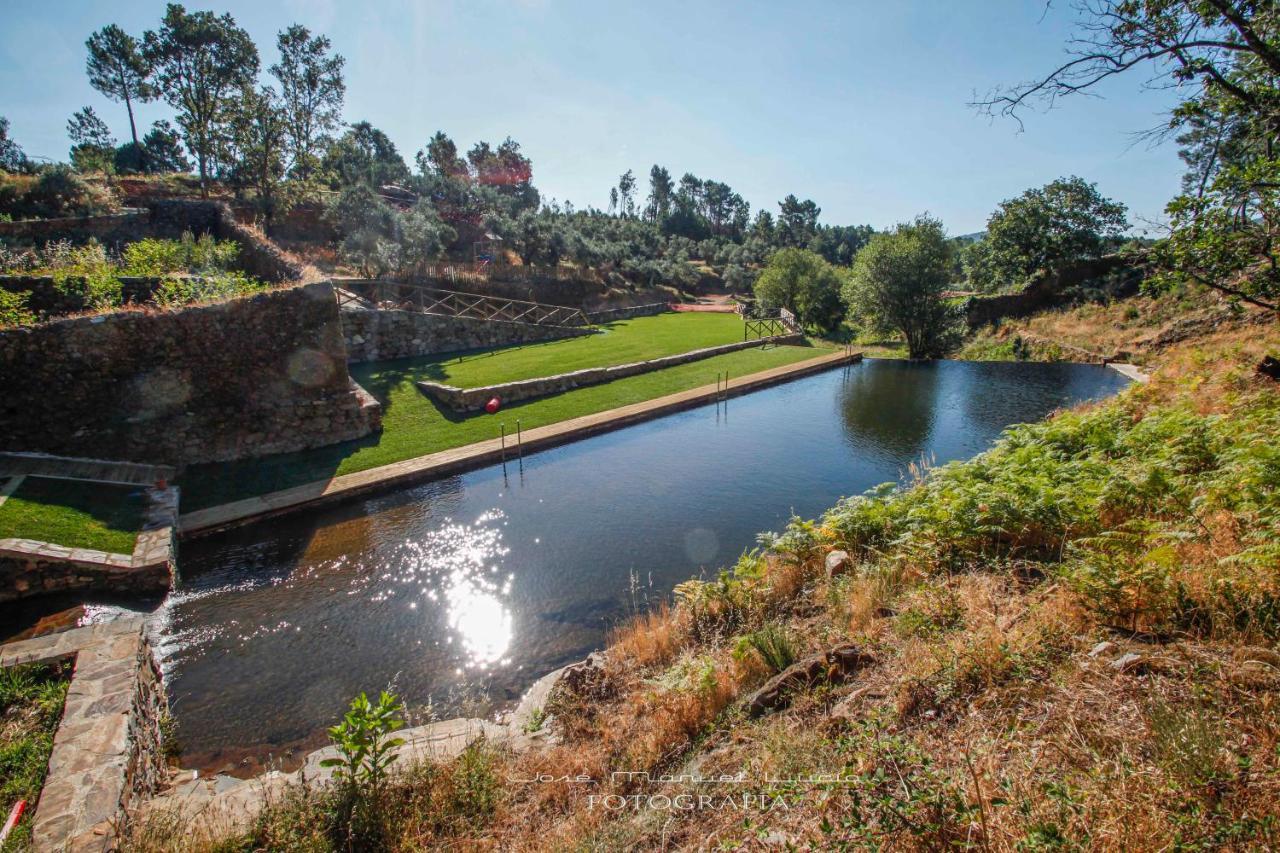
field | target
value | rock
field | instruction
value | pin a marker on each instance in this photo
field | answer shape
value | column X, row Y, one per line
column 838, row 563
column 1129, row 663
column 1269, row 367
column 1101, row 649
column 833, row 666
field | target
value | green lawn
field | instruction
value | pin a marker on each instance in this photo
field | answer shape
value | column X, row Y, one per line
column 414, row 426
column 622, row 342
column 74, row 514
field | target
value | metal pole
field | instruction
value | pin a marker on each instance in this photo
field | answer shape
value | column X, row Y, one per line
column 519, row 440
column 726, row 385
column 503, row 427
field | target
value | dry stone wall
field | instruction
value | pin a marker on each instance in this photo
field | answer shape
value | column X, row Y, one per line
column 375, row 334
column 248, row 377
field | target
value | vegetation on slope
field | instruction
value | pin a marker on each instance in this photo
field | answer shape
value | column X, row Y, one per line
column 74, row 514
column 31, row 700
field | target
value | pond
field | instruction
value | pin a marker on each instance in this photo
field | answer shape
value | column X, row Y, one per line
column 461, row 592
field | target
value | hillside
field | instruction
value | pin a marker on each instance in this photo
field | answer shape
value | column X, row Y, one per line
column 1068, row 641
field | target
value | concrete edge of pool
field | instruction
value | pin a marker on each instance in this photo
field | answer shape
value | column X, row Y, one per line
column 482, row 453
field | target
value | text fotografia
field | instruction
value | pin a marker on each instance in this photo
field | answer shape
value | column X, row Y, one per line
column 687, row 802
column 644, row 777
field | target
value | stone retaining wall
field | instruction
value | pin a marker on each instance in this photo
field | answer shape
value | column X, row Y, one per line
column 474, row 399
column 610, row 315
column 252, row 376
column 375, row 334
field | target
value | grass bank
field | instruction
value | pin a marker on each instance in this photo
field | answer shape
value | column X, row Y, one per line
column 1068, row 642
column 74, row 514
column 413, row 425
column 625, row 341
column 31, row 700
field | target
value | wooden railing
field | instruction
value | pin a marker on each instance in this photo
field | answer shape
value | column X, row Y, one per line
column 401, row 296
column 769, row 323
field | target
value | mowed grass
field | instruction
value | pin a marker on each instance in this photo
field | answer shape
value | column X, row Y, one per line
column 31, row 700
column 74, row 514
column 625, row 341
column 413, row 426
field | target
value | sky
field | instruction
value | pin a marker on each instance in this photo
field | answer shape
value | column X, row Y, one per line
column 860, row 106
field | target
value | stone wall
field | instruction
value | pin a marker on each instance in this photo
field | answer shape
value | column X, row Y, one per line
column 372, row 335
column 474, row 399
column 610, row 315
column 1111, row 276
column 251, row 376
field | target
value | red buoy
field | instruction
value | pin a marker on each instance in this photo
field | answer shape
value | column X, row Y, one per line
column 493, row 405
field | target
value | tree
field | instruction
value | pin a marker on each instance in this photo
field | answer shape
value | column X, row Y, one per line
column 202, row 63
column 797, row 221
column 365, row 155
column 118, row 68
column 423, row 236
column 1225, row 56
column 806, row 285
column 441, row 158
column 311, row 94
column 258, row 141
column 897, row 285
column 93, row 148
column 505, row 170
column 163, row 147
column 12, row 159
column 1064, row 221
column 661, row 189
column 626, row 194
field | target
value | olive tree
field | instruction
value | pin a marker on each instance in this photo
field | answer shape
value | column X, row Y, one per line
column 897, row 284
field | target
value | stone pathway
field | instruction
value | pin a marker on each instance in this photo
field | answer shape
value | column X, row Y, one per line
column 107, row 748
column 488, row 452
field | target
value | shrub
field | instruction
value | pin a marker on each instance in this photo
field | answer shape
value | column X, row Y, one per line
column 771, row 644
column 14, row 310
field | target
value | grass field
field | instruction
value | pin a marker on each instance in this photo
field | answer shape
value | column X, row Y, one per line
column 626, row 341
column 31, row 700
column 74, row 514
column 414, row 426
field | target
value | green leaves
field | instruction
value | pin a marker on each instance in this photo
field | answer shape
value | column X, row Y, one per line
column 364, row 744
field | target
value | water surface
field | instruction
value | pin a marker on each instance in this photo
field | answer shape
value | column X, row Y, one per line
column 462, row 591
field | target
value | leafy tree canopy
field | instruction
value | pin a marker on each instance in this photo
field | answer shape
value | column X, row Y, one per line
column 897, row 285
column 1063, row 221
column 806, row 285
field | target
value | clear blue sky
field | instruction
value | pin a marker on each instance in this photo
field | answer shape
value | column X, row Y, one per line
column 857, row 105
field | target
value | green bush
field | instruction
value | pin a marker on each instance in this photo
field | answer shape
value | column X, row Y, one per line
column 14, row 310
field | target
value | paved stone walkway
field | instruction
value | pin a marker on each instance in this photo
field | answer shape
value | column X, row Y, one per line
column 483, row 453
column 106, row 748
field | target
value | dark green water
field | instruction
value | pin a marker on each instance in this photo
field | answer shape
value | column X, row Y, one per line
column 463, row 591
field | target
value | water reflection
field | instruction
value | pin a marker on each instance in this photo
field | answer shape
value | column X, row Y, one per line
column 891, row 409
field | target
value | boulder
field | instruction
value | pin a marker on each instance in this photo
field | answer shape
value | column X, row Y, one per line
column 833, row 666
column 838, row 563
